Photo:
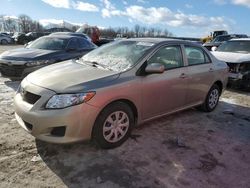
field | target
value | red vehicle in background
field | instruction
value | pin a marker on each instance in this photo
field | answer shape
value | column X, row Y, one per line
column 92, row 31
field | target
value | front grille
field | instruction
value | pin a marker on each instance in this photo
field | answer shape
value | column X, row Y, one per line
column 11, row 70
column 30, row 97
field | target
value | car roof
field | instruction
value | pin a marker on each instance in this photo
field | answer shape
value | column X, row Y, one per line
column 62, row 36
column 163, row 40
column 231, row 35
column 68, row 33
column 241, row 39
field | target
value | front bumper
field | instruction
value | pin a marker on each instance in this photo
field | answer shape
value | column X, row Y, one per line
column 16, row 71
column 78, row 120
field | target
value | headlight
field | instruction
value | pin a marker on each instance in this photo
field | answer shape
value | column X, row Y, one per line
column 36, row 63
column 66, row 100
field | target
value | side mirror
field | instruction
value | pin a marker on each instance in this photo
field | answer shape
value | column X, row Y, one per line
column 155, row 68
column 214, row 48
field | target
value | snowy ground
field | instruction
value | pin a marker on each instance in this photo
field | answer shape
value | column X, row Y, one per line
column 187, row 149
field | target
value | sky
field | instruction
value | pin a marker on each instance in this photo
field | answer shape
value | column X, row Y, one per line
column 184, row 18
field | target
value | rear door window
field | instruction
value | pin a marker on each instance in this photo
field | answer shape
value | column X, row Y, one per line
column 73, row 44
column 196, row 56
column 84, row 44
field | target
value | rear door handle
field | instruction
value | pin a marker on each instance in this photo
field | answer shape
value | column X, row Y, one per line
column 183, row 75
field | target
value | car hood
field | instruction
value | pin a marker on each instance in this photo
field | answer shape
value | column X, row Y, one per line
column 23, row 54
column 232, row 57
column 70, row 76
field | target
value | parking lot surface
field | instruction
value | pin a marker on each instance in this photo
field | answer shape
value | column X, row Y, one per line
column 187, row 149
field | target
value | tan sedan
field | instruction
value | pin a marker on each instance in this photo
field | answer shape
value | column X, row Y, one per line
column 107, row 92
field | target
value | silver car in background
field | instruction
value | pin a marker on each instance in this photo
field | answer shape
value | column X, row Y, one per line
column 5, row 39
column 107, row 92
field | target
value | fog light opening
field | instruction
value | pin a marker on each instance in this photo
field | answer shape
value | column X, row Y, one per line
column 58, row 131
column 28, row 126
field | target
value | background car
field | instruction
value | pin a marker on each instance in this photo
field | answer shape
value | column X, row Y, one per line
column 5, row 39
column 72, row 34
column 236, row 53
column 112, row 88
column 17, row 63
column 217, row 41
column 22, row 38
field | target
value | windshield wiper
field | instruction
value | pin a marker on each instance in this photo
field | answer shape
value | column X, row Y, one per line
column 96, row 64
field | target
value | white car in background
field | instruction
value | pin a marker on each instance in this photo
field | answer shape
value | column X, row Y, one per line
column 236, row 53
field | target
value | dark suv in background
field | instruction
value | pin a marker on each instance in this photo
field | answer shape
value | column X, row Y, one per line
column 22, row 38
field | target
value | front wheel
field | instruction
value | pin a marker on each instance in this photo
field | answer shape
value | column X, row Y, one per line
column 4, row 41
column 113, row 125
column 212, row 99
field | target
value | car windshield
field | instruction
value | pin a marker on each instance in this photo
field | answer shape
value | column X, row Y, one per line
column 235, row 46
column 118, row 56
column 49, row 43
column 221, row 38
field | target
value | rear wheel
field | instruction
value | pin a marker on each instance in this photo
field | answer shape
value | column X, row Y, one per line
column 212, row 99
column 113, row 125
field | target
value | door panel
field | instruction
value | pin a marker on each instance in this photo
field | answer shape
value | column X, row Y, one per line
column 200, row 79
column 164, row 92
column 200, row 74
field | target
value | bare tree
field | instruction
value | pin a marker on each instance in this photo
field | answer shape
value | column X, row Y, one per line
column 25, row 23
column 137, row 30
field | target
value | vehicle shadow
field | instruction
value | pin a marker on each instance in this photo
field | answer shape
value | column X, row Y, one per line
column 84, row 165
column 178, row 150
column 12, row 84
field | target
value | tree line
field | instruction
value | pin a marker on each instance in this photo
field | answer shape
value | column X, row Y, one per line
column 22, row 24
column 136, row 31
column 25, row 24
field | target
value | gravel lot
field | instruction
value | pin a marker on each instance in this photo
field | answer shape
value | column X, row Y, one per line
column 187, row 149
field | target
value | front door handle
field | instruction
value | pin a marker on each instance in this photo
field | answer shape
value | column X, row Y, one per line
column 211, row 70
column 183, row 75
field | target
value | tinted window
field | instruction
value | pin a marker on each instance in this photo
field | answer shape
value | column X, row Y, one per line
column 170, row 57
column 196, row 56
column 73, row 44
column 83, row 44
column 49, row 43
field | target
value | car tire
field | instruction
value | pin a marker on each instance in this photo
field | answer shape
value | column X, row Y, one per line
column 3, row 41
column 212, row 99
column 113, row 125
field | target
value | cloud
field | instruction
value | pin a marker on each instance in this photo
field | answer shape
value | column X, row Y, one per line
column 125, row 2
column 109, row 9
column 58, row 3
column 163, row 16
column 235, row 2
column 242, row 2
column 188, row 6
column 142, row 1
column 220, row 2
column 71, row 4
column 79, row 5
